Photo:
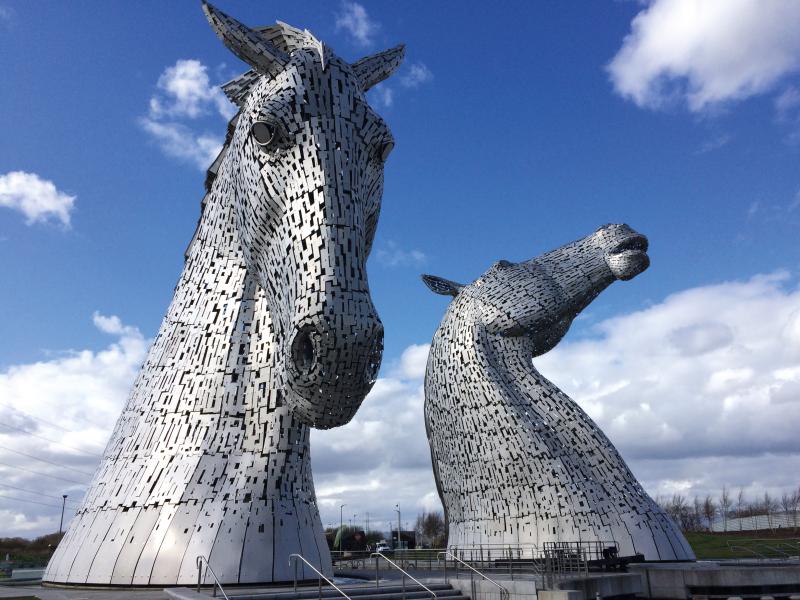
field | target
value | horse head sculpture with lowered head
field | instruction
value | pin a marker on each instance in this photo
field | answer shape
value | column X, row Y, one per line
column 304, row 167
column 271, row 331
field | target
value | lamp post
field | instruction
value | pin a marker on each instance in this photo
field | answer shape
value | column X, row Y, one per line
column 63, row 504
column 397, row 510
column 341, row 526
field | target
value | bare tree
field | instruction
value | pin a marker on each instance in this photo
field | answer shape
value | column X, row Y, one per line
column 769, row 507
column 725, row 507
column 709, row 510
column 430, row 529
column 739, row 506
column 795, row 507
column 786, row 505
column 697, row 514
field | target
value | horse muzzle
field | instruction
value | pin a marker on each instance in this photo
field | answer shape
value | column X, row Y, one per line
column 331, row 365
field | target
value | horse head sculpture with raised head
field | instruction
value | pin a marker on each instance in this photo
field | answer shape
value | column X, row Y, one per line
column 305, row 169
column 516, row 461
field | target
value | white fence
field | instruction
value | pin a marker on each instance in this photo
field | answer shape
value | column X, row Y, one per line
column 779, row 520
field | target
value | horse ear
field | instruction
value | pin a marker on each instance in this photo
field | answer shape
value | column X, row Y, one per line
column 445, row 287
column 251, row 46
column 375, row 68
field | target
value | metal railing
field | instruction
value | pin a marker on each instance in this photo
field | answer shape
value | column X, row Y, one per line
column 759, row 551
column 320, row 576
column 502, row 559
column 503, row 591
column 405, row 573
column 217, row 584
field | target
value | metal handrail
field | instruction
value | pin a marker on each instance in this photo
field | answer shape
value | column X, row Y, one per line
column 294, row 557
column 403, row 571
column 200, row 560
column 503, row 591
column 758, row 555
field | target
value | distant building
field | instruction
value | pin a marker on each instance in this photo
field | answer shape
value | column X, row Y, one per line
column 779, row 520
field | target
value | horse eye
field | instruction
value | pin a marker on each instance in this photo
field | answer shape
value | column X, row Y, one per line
column 386, row 150
column 263, row 133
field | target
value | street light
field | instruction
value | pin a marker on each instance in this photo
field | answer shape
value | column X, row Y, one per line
column 397, row 510
column 354, row 520
column 341, row 525
column 63, row 504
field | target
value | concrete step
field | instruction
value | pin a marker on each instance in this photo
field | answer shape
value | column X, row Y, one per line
column 364, row 592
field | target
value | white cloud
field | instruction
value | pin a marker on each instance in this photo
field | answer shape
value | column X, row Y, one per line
column 381, row 458
column 706, row 51
column 353, row 18
column 412, row 362
column 36, row 198
column 787, row 112
column 185, row 94
column 6, row 14
column 69, row 404
column 186, row 91
column 697, row 391
column 392, row 255
column 700, row 370
column 382, row 95
column 180, row 141
column 416, row 75
column 700, row 390
column 714, row 143
column 787, row 103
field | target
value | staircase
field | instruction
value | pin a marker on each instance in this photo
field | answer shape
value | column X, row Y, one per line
column 367, row 591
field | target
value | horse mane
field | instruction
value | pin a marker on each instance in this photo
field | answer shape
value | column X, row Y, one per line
column 284, row 37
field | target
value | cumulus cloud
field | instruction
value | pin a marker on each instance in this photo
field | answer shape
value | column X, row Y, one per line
column 36, row 198
column 186, row 91
column 416, row 75
column 695, row 376
column 382, row 95
column 381, row 458
column 352, row 18
column 392, row 255
column 60, row 411
column 180, row 141
column 184, row 95
column 412, row 362
column 705, row 52
column 699, row 390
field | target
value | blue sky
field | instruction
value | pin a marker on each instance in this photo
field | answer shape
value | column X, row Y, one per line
column 513, row 137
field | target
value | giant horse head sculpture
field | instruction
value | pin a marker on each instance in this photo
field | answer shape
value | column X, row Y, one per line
column 536, row 300
column 304, row 164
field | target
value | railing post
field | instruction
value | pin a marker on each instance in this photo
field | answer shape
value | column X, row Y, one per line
column 319, row 587
column 472, row 582
column 445, row 569
column 404, row 586
column 294, row 560
column 377, row 568
column 199, row 573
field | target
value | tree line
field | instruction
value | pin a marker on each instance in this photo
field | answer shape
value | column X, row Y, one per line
column 700, row 513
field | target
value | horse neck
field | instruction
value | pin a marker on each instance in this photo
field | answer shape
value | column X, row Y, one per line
column 217, row 323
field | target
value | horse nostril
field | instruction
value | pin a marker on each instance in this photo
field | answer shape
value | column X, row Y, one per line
column 374, row 360
column 303, row 353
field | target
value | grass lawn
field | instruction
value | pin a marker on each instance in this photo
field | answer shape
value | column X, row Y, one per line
column 746, row 544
